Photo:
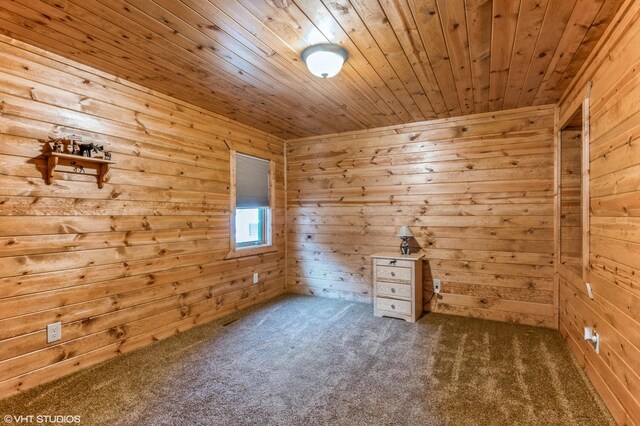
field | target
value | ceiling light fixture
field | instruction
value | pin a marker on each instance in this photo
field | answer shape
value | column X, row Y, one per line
column 324, row 60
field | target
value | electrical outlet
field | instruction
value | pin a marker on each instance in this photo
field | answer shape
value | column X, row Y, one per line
column 589, row 290
column 593, row 337
column 437, row 285
column 256, row 278
column 54, row 332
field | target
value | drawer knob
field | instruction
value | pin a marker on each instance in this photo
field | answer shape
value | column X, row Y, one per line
column 393, row 306
column 393, row 274
column 393, row 290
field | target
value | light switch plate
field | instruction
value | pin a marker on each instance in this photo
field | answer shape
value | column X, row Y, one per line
column 589, row 290
column 54, row 332
column 256, row 278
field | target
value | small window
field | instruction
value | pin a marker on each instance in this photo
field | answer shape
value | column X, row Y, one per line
column 251, row 225
column 251, row 205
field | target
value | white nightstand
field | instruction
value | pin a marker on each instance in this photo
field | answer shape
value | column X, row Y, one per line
column 397, row 285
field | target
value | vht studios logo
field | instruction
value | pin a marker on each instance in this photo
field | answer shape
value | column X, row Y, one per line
column 40, row 419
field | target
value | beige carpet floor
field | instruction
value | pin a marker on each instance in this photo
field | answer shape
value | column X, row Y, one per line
column 301, row 360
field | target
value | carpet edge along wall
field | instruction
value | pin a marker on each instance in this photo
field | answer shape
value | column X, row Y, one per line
column 476, row 190
column 136, row 261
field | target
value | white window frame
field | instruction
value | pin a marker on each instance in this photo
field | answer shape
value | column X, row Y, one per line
column 240, row 250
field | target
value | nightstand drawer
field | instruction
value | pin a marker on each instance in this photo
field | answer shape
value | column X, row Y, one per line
column 393, row 273
column 394, row 290
column 393, row 305
column 394, row 262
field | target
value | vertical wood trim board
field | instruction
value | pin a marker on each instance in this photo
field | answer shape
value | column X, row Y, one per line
column 556, row 209
column 614, row 221
column 584, row 202
column 478, row 193
column 136, row 261
column 569, row 188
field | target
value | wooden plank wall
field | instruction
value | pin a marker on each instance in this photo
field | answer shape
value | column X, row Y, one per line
column 614, row 234
column 477, row 191
column 136, row 261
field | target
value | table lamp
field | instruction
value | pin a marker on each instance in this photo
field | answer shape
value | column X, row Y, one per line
column 405, row 233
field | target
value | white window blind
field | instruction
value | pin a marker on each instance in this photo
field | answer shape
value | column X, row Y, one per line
column 252, row 182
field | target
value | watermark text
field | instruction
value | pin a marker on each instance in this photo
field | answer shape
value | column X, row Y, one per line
column 40, row 419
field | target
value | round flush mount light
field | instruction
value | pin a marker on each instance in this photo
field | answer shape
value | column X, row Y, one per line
column 324, row 60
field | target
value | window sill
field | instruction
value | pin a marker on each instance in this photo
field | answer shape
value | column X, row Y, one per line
column 250, row 251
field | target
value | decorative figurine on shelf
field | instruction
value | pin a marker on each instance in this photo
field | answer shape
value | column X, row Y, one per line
column 87, row 148
column 405, row 233
column 107, row 155
column 57, row 144
column 75, row 148
column 74, row 144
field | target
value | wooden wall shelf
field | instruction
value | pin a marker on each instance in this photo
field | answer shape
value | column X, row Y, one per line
column 102, row 165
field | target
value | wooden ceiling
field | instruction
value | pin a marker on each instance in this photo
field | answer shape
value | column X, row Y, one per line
column 410, row 60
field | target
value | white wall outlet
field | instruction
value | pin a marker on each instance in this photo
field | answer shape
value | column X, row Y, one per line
column 256, row 278
column 589, row 290
column 54, row 332
column 437, row 285
column 592, row 336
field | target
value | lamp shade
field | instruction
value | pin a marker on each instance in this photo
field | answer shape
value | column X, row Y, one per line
column 404, row 231
column 324, row 60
